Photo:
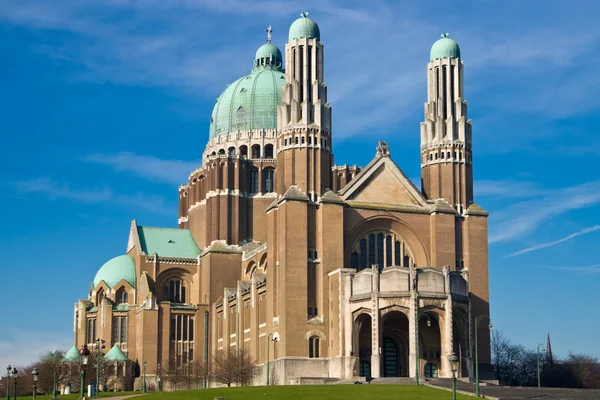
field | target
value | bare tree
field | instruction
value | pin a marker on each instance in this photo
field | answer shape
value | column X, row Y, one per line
column 245, row 370
column 224, row 364
column 584, row 369
column 175, row 375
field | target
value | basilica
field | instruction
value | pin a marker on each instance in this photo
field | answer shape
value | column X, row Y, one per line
column 322, row 272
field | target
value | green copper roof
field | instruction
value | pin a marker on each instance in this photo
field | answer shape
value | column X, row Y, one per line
column 444, row 48
column 251, row 101
column 304, row 27
column 72, row 355
column 115, row 269
column 115, row 354
column 168, row 242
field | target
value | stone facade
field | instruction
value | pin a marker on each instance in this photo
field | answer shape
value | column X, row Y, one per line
column 332, row 272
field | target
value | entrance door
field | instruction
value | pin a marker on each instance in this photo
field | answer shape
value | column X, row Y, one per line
column 431, row 370
column 390, row 358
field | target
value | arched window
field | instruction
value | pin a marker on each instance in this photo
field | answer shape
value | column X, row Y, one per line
column 221, row 152
column 255, row 151
column 99, row 296
column 232, row 152
column 313, row 347
column 431, row 370
column 243, row 151
column 122, row 297
column 175, row 291
column 253, row 181
column 380, row 247
column 268, row 180
column 268, row 151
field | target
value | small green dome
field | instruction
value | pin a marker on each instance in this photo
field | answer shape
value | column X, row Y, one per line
column 116, row 269
column 304, row 27
column 444, row 48
column 251, row 101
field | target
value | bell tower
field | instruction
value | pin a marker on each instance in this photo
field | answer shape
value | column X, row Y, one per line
column 304, row 156
column 446, row 155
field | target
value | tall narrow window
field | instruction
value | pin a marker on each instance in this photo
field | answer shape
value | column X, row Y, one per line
column 388, row 250
column 313, row 347
column 363, row 254
column 354, row 260
column 115, row 330
column 397, row 253
column 123, row 337
column 268, row 179
column 380, row 251
column 254, row 180
column 372, row 258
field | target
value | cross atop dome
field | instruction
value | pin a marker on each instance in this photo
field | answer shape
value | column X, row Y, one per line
column 304, row 14
column 445, row 35
column 269, row 30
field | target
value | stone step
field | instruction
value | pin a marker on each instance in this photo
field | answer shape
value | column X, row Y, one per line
column 393, row 381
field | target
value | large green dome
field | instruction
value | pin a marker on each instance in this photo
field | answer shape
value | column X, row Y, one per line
column 251, row 101
column 116, row 269
column 304, row 27
column 444, row 48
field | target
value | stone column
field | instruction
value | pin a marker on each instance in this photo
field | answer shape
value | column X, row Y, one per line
column 412, row 327
column 375, row 357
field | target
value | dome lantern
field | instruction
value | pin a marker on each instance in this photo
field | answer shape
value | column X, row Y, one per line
column 444, row 48
column 304, row 28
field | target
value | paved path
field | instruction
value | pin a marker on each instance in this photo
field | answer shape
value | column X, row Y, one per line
column 521, row 393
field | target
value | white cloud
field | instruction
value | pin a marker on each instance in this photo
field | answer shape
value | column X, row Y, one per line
column 21, row 348
column 170, row 171
column 507, row 188
column 525, row 217
column 376, row 53
column 590, row 269
column 555, row 242
column 55, row 190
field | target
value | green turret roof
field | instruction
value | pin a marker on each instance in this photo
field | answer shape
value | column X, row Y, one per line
column 115, row 354
column 168, row 242
column 304, row 27
column 72, row 355
column 116, row 269
column 444, row 48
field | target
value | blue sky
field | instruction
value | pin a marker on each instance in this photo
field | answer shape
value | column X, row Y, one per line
column 105, row 106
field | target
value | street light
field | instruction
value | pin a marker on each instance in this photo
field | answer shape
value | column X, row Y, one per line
column 15, row 375
column 84, row 353
column 270, row 338
column 453, row 367
column 99, row 346
column 538, row 361
column 477, row 320
column 144, row 381
column 8, row 375
column 34, row 376
column 417, row 358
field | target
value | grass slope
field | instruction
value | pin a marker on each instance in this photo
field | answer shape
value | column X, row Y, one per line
column 316, row 392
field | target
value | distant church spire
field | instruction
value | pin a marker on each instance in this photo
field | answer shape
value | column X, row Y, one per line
column 549, row 359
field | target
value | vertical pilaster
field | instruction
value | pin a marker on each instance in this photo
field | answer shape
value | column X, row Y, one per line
column 375, row 345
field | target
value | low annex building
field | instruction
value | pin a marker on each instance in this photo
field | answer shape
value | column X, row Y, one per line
column 331, row 271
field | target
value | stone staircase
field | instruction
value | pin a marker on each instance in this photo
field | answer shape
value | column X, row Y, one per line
column 393, row 381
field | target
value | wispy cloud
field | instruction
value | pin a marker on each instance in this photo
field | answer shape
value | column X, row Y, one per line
column 376, row 53
column 555, row 242
column 55, row 190
column 525, row 217
column 169, row 171
column 590, row 269
column 21, row 348
column 507, row 188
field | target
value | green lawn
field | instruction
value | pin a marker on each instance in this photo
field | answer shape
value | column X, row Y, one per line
column 317, row 392
column 73, row 396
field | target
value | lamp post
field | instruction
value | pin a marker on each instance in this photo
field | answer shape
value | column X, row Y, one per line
column 538, row 361
column 270, row 338
column 34, row 376
column 8, row 375
column 99, row 347
column 144, row 379
column 453, row 367
column 84, row 353
column 477, row 320
column 417, row 358
column 15, row 375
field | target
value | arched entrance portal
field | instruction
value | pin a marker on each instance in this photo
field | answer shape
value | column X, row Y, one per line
column 362, row 343
column 394, row 344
